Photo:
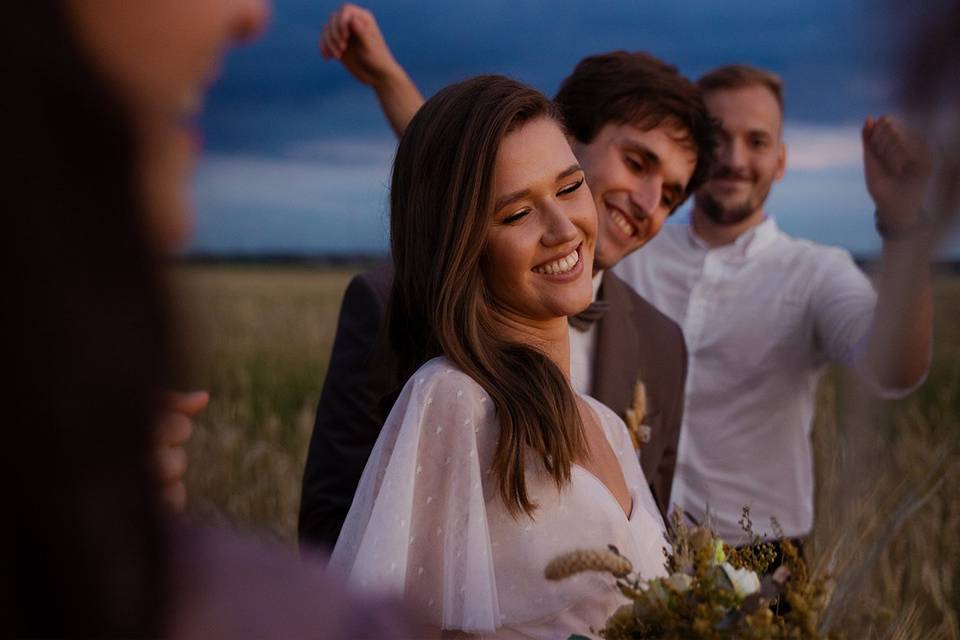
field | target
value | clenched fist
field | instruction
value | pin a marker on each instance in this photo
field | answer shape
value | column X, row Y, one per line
column 353, row 37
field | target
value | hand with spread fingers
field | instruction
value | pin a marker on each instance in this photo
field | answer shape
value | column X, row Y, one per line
column 352, row 36
column 173, row 431
column 897, row 166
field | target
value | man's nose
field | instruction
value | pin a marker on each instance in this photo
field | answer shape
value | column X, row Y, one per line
column 647, row 196
column 733, row 155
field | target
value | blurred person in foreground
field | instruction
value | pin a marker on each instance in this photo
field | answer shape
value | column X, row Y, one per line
column 763, row 313
column 99, row 104
column 930, row 92
column 642, row 135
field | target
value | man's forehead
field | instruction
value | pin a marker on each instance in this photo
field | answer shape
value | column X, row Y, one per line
column 745, row 108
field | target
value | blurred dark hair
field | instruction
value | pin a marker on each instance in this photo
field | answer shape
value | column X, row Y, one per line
column 931, row 68
column 636, row 88
column 441, row 208
column 85, row 336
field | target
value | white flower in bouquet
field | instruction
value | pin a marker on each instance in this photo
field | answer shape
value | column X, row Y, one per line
column 680, row 582
column 744, row 581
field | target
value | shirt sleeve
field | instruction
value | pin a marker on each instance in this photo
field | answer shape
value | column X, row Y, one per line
column 843, row 303
column 418, row 524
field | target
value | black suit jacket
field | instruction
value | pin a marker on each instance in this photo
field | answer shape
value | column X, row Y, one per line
column 634, row 341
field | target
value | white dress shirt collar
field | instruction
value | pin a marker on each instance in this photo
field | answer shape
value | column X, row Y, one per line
column 747, row 244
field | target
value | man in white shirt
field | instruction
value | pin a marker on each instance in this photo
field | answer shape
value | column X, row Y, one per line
column 763, row 313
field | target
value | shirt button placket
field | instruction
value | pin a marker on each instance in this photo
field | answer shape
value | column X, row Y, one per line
column 696, row 308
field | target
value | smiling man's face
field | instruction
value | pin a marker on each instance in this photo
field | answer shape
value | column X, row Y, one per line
column 638, row 177
column 750, row 154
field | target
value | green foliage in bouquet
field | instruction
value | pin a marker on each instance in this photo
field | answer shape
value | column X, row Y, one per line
column 713, row 591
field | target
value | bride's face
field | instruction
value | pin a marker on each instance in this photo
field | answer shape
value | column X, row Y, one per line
column 538, row 259
column 160, row 57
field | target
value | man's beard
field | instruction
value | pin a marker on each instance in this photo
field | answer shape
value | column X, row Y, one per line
column 719, row 214
column 735, row 213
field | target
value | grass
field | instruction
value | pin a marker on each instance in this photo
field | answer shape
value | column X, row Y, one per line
column 888, row 477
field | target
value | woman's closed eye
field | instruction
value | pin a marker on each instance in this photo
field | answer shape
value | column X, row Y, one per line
column 566, row 190
column 516, row 217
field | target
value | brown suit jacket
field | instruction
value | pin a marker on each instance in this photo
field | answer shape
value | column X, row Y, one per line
column 634, row 341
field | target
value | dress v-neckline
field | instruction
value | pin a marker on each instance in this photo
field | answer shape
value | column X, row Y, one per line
column 606, row 489
column 603, row 430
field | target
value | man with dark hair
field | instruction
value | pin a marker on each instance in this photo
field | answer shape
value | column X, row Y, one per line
column 643, row 138
column 631, row 114
column 764, row 313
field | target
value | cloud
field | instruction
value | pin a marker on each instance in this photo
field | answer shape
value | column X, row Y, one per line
column 815, row 147
column 320, row 197
column 331, row 195
column 340, row 151
column 308, row 175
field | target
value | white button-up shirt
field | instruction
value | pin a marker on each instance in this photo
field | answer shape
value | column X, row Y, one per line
column 762, row 317
column 583, row 348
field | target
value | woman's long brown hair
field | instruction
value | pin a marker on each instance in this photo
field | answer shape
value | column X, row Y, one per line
column 441, row 210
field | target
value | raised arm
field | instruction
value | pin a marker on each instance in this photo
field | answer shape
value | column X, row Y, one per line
column 353, row 37
column 897, row 167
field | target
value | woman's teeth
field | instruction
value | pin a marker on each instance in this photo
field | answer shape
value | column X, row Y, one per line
column 563, row 265
column 621, row 222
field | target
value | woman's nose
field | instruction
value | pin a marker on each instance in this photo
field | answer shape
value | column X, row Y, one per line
column 559, row 227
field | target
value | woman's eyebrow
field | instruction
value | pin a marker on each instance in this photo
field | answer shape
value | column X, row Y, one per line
column 504, row 200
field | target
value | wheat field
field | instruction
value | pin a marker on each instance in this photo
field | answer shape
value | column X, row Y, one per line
column 888, row 473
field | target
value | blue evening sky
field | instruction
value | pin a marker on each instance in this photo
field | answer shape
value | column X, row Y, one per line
column 297, row 155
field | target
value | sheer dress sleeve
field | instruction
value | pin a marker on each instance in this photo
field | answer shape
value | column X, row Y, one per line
column 428, row 524
column 418, row 524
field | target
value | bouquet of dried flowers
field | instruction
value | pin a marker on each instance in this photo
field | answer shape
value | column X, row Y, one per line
column 713, row 591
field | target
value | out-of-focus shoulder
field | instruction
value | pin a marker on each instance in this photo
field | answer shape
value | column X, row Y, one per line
column 813, row 251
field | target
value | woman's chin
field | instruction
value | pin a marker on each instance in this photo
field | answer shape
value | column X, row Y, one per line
column 575, row 305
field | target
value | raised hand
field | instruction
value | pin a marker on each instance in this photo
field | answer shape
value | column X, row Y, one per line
column 172, row 432
column 897, row 166
column 352, row 36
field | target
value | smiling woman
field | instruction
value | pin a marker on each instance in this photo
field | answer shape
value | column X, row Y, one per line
column 544, row 230
column 489, row 464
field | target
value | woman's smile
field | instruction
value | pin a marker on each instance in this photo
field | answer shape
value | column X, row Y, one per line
column 566, row 267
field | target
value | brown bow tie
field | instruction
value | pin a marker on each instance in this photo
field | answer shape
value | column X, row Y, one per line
column 583, row 320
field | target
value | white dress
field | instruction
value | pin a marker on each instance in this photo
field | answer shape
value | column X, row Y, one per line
column 427, row 522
